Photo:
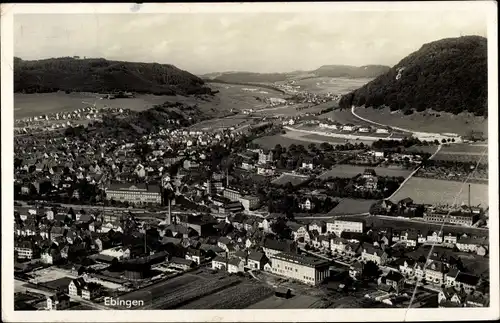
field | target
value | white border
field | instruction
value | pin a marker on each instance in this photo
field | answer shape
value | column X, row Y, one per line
column 324, row 315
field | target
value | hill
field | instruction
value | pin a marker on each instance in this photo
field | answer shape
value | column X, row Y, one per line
column 103, row 76
column 447, row 75
column 368, row 71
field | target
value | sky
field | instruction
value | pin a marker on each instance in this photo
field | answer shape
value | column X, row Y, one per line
column 256, row 42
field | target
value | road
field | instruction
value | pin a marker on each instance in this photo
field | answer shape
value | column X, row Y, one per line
column 327, row 217
column 413, row 173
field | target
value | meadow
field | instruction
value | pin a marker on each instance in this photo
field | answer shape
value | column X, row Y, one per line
column 290, row 178
column 330, row 84
column 427, row 121
column 435, row 191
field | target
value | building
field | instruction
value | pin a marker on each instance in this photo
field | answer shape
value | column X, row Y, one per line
column 235, row 265
column 257, row 260
column 466, row 281
column 75, row 287
column 457, row 217
column 58, row 301
column 435, row 272
column 26, row 250
column 181, row 263
column 134, row 194
column 249, row 202
column 448, row 297
column 220, row 263
column 265, row 156
column 195, row 255
column 272, row 247
column 382, row 130
column 308, row 270
column 307, row 205
column 395, row 280
column 370, row 253
column 345, row 225
column 231, row 193
column 470, row 244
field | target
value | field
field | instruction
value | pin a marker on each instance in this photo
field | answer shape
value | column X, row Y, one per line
column 435, row 191
column 427, row 121
column 269, row 142
column 236, row 297
column 214, row 124
column 334, row 140
column 463, row 153
column 344, row 117
column 349, row 206
column 330, row 84
column 290, row 178
column 349, row 171
column 229, row 97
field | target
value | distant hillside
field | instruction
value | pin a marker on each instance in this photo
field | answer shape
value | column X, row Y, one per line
column 368, row 71
column 446, row 75
column 103, row 76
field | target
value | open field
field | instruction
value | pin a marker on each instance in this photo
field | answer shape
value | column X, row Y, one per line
column 296, row 302
column 214, row 124
column 229, row 97
column 269, row 142
column 349, row 206
column 236, row 297
column 344, row 116
column 290, row 178
column 330, row 84
column 334, row 140
column 405, row 224
column 427, row 121
column 435, row 191
column 349, row 171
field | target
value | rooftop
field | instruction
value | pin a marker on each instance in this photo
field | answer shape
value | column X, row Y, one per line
column 302, row 260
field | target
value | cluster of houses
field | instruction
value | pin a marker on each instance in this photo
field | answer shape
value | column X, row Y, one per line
column 349, row 127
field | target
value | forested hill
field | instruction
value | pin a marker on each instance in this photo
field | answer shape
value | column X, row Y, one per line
column 446, row 75
column 103, row 76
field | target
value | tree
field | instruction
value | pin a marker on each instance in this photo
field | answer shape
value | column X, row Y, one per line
column 280, row 228
column 371, row 270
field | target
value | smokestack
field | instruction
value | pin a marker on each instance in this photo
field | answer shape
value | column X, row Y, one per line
column 227, row 177
column 169, row 216
column 469, row 198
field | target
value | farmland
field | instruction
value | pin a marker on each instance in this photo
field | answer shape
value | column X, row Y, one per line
column 427, row 121
column 236, row 297
column 290, row 178
column 435, row 191
column 330, row 84
column 349, row 171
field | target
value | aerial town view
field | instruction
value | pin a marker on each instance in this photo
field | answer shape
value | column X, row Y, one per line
column 146, row 177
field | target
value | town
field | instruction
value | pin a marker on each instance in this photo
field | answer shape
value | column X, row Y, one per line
column 116, row 218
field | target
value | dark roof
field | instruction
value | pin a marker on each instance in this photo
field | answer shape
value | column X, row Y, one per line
column 303, row 260
column 256, row 256
column 395, row 276
column 181, row 261
column 105, row 258
column 284, row 246
column 59, row 283
column 234, row 261
column 467, row 279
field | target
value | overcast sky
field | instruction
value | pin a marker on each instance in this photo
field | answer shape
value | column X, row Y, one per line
column 212, row 42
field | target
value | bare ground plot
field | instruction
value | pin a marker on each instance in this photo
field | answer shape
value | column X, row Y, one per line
column 349, row 171
column 289, row 178
column 435, row 191
column 351, row 206
column 335, row 140
column 296, row 302
column 402, row 224
column 427, row 121
column 237, row 297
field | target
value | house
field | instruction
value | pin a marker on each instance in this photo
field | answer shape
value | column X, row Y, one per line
column 58, row 301
column 450, row 277
column 337, row 245
column 448, row 297
column 482, row 250
column 181, row 263
column 406, row 266
column 250, row 202
column 348, row 127
column 265, row 156
column 272, row 247
column 196, row 255
column 75, row 287
column 466, row 281
column 382, row 130
column 90, row 291
column 307, row 205
column 470, row 244
column 406, row 202
column 257, row 260
column 434, row 237
column 51, row 255
column 409, row 238
column 307, row 164
column 434, row 272
column 450, row 238
column 318, row 226
column 220, row 263
column 364, row 129
column 235, row 265
column 301, row 234
column 356, row 270
column 395, row 280
column 370, row 253
column 26, row 250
